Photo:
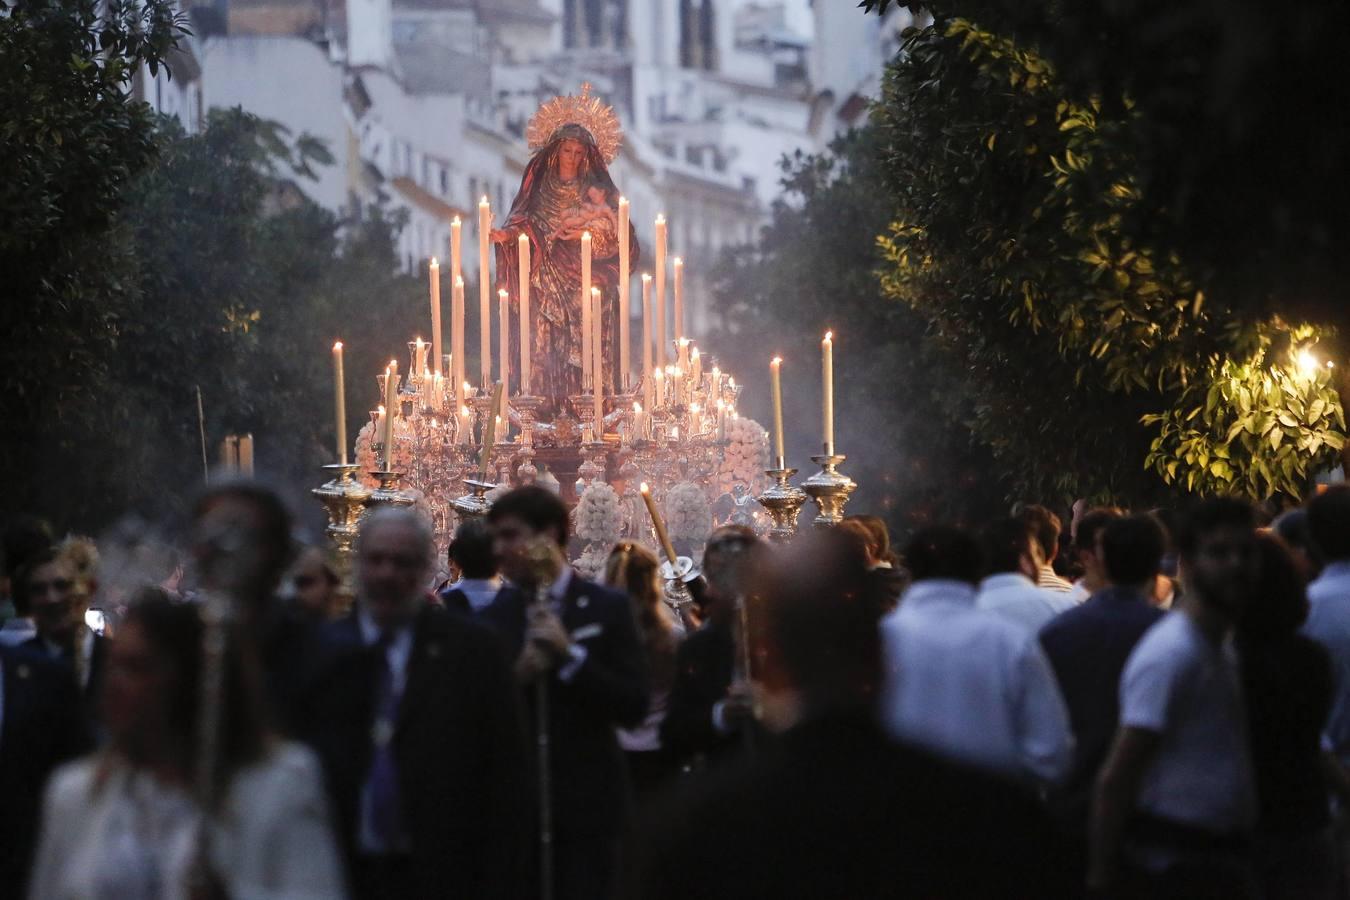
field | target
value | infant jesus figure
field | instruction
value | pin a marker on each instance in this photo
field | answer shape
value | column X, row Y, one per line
column 592, row 214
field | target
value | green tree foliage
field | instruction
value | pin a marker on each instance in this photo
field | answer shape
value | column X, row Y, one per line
column 813, row 268
column 237, row 284
column 1014, row 238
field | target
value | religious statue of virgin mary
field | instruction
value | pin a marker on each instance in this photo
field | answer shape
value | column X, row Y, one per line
column 566, row 190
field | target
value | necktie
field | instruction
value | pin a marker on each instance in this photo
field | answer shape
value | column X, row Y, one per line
column 386, row 817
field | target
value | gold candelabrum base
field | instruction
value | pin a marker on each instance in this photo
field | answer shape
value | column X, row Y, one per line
column 829, row 489
column 388, row 493
column 475, row 504
column 783, row 501
column 527, row 408
column 344, row 499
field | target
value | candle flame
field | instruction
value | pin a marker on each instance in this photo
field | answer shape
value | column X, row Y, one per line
column 455, row 223
column 595, row 292
column 380, row 409
column 660, row 218
column 337, row 345
column 623, row 199
column 464, row 411
column 646, row 276
column 434, row 263
column 459, row 281
column 501, row 292
column 637, row 407
column 657, row 373
column 776, row 361
column 483, row 202
column 586, row 236
column 643, row 487
column 694, row 354
column 678, row 261
column 829, row 335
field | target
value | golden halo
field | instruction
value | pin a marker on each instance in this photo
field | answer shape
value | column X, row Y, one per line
column 589, row 112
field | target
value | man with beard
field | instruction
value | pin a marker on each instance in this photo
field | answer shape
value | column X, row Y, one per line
column 1175, row 801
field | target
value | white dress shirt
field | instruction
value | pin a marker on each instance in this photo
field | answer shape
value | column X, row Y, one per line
column 972, row 686
column 1016, row 598
column 480, row 592
column 1329, row 624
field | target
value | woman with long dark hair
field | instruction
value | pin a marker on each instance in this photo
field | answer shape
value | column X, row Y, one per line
column 633, row 569
column 126, row 822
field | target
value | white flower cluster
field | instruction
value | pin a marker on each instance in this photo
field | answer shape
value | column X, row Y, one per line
column 598, row 517
column 591, row 564
column 746, row 457
column 365, row 453
column 688, row 515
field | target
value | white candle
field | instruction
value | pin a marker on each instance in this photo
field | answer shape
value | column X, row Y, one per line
column 391, row 410
column 597, row 358
column 340, row 402
column 457, row 339
column 419, row 356
column 682, row 354
column 625, row 361
column 661, row 352
column 827, row 376
column 465, row 425
column 721, row 419
column 659, row 386
column 647, row 317
column 246, row 455
column 696, row 367
column 776, row 391
column 586, row 310
column 435, row 273
column 456, row 248
column 504, row 336
column 437, row 391
column 484, row 285
column 523, row 252
column 678, row 263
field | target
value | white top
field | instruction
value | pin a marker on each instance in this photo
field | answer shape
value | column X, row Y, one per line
column 1016, row 598
column 1181, row 685
column 480, row 592
column 1329, row 624
column 971, row 685
column 132, row 837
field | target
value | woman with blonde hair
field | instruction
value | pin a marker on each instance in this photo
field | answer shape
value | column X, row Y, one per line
column 634, row 569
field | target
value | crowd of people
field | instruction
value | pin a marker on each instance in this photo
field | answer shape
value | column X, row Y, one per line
column 1148, row 704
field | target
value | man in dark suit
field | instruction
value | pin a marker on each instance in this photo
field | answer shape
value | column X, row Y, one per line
column 41, row 726
column 580, row 641
column 416, row 718
column 48, row 584
column 833, row 808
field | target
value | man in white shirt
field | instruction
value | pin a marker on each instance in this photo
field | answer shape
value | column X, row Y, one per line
column 1176, row 797
column 964, row 683
column 1013, row 560
column 59, row 602
column 1329, row 603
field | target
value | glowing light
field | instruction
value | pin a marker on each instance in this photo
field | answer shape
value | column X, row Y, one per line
column 1307, row 363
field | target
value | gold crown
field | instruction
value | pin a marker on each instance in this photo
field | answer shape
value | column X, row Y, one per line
column 589, row 112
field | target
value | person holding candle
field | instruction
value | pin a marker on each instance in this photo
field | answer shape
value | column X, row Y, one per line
column 581, row 639
column 566, row 191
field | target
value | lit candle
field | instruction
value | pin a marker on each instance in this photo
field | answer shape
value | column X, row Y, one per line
column 419, row 356
column 391, row 411
column 678, row 263
column 457, row 338
column 246, row 455
column 659, row 386
column 523, row 252
column 504, row 336
column 465, row 425
column 721, row 419
column 484, row 309
column 586, row 310
column 696, row 367
column 437, row 391
column 659, row 525
column 660, row 290
column 456, row 249
column 682, row 354
column 340, row 402
column 647, row 318
column 435, row 272
column 625, row 361
column 827, row 375
column 597, row 354
column 776, row 391
column 637, row 421
column 673, row 380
